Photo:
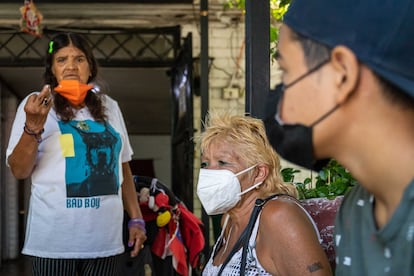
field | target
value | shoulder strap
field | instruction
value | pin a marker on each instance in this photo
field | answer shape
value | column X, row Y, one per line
column 244, row 237
column 256, row 211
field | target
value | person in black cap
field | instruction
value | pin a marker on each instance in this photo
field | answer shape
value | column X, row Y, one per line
column 348, row 75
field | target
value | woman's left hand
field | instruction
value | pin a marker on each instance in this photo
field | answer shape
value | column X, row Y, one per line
column 137, row 237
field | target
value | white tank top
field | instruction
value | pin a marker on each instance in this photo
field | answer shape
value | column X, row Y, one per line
column 253, row 266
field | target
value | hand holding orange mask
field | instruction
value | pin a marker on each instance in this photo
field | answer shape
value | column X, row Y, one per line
column 74, row 91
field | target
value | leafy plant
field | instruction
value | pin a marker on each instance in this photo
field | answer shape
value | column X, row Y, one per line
column 277, row 9
column 332, row 181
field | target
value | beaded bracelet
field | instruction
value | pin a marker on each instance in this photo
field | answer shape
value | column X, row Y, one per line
column 36, row 135
column 137, row 222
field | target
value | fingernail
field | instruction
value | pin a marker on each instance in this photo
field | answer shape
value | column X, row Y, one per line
column 130, row 244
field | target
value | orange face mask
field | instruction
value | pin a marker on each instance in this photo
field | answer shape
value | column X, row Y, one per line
column 74, row 91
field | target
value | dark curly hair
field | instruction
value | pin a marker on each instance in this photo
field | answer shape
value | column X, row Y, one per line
column 93, row 100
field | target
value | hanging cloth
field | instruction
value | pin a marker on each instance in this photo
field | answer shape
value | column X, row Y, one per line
column 31, row 19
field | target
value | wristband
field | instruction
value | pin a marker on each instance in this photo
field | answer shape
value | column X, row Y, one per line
column 36, row 135
column 137, row 222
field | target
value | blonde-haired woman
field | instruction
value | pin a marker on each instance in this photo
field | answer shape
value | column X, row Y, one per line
column 277, row 237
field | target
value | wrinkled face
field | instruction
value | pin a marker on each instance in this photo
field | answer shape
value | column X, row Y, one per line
column 307, row 99
column 223, row 156
column 70, row 63
column 220, row 156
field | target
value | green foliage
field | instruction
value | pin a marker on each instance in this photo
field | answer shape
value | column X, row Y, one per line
column 231, row 4
column 277, row 9
column 332, row 181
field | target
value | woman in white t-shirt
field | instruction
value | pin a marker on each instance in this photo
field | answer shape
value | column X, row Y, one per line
column 72, row 142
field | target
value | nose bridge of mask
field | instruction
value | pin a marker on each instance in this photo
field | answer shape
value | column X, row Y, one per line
column 278, row 119
column 216, row 178
column 279, row 106
column 213, row 174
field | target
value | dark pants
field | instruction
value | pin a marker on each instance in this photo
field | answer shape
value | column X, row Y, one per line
column 75, row 267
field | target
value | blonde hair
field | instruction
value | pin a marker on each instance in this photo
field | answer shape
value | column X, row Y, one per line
column 248, row 135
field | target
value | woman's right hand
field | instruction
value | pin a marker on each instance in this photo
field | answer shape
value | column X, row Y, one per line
column 37, row 107
column 23, row 158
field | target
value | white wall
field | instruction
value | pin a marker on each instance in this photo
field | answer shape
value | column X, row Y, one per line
column 9, row 190
column 158, row 148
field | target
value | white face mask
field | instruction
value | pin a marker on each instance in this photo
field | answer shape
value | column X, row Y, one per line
column 219, row 190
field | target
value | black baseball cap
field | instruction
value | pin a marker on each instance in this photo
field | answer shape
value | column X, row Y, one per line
column 379, row 32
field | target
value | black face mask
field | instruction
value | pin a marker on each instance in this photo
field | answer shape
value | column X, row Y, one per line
column 294, row 142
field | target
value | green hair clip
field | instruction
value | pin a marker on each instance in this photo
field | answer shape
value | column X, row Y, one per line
column 51, row 47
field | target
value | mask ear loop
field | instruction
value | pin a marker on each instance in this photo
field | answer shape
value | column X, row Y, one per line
column 250, row 188
column 325, row 115
column 246, row 170
column 284, row 87
column 281, row 123
column 337, row 105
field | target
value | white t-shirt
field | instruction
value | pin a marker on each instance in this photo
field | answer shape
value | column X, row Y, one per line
column 76, row 208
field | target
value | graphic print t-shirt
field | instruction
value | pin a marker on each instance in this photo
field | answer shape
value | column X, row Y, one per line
column 92, row 171
column 76, row 203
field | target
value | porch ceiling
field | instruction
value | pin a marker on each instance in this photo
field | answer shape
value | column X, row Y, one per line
column 143, row 93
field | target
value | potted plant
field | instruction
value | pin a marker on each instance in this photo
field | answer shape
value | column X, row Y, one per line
column 322, row 198
column 332, row 181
